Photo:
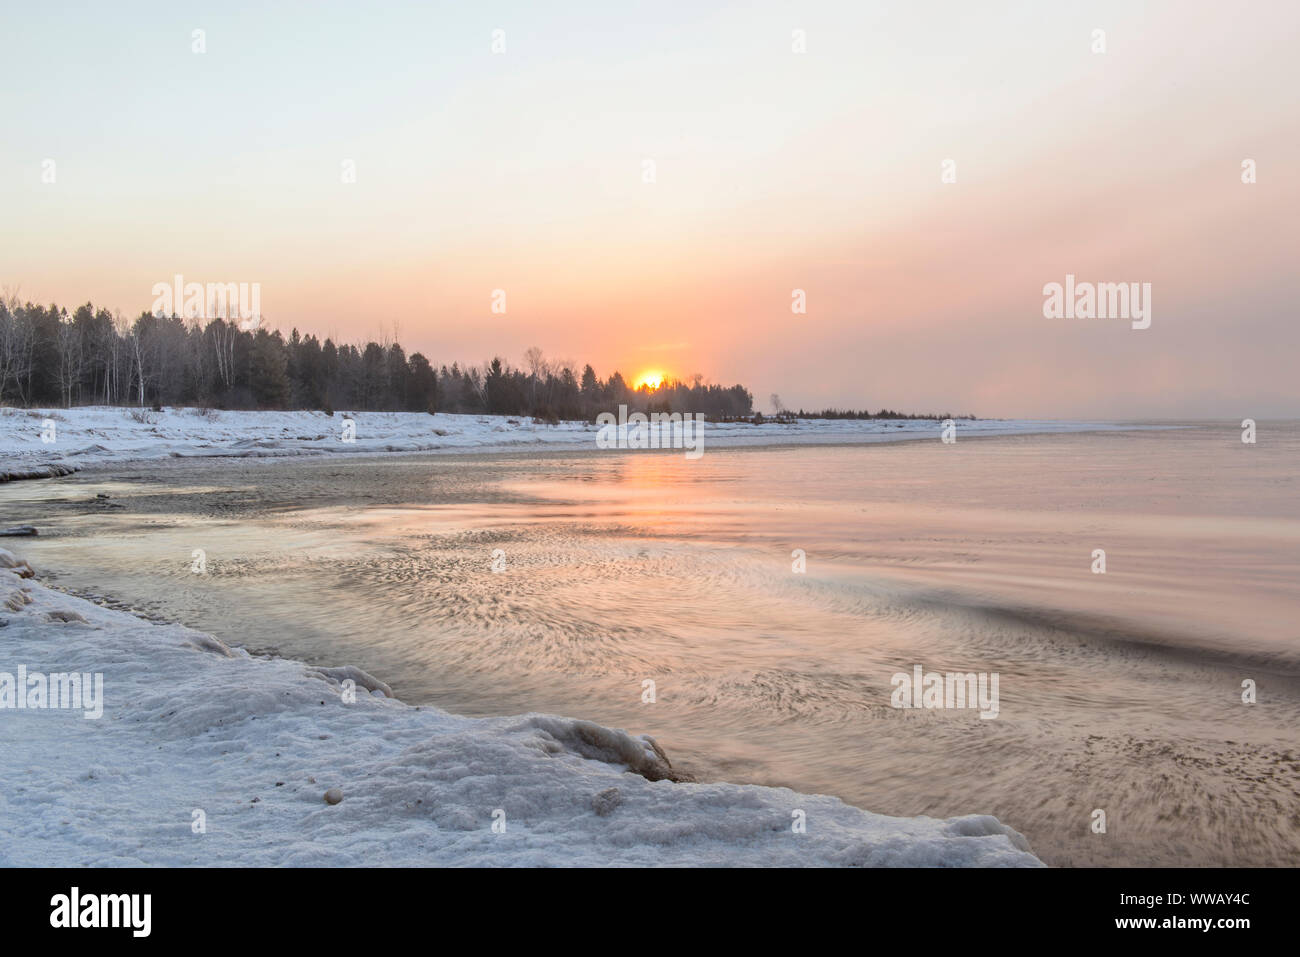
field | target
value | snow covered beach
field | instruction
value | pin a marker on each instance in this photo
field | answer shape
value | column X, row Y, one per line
column 194, row 729
column 39, row 443
column 207, row 756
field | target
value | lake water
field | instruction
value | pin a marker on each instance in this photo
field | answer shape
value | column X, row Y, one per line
column 1119, row 691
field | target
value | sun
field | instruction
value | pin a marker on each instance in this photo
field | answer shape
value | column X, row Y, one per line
column 651, row 379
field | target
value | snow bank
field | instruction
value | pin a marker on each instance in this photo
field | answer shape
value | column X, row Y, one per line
column 31, row 447
column 205, row 755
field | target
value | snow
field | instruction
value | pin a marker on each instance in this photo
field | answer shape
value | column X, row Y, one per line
column 192, row 724
column 94, row 435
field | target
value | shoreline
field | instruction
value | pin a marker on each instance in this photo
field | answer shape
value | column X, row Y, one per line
column 246, row 740
column 89, row 436
column 377, row 562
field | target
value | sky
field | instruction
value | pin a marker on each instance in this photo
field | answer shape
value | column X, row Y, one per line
column 525, row 170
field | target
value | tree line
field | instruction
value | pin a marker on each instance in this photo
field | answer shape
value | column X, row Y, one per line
column 867, row 414
column 49, row 357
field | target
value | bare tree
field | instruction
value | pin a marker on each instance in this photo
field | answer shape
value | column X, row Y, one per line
column 142, row 350
column 16, row 337
column 537, row 370
column 69, row 351
column 223, row 341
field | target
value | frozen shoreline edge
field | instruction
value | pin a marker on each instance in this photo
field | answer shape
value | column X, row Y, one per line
column 108, row 435
column 420, row 785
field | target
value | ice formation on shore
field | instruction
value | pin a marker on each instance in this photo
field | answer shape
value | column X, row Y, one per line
column 206, row 755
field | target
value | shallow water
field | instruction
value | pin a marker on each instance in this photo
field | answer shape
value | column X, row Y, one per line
column 1119, row 691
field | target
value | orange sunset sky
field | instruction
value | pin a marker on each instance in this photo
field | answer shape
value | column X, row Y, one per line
column 774, row 170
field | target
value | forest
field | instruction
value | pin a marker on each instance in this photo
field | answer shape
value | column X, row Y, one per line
column 49, row 357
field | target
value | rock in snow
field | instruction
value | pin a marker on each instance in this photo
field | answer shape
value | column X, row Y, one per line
column 357, row 676
column 63, row 616
column 18, row 473
column 17, row 565
column 193, row 730
column 605, row 802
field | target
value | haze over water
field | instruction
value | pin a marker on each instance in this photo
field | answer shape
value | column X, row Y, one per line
column 1119, row 691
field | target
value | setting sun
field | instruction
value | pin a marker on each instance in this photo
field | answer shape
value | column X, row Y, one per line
column 651, row 378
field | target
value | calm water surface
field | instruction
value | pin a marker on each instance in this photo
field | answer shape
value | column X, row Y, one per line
column 1119, row 691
